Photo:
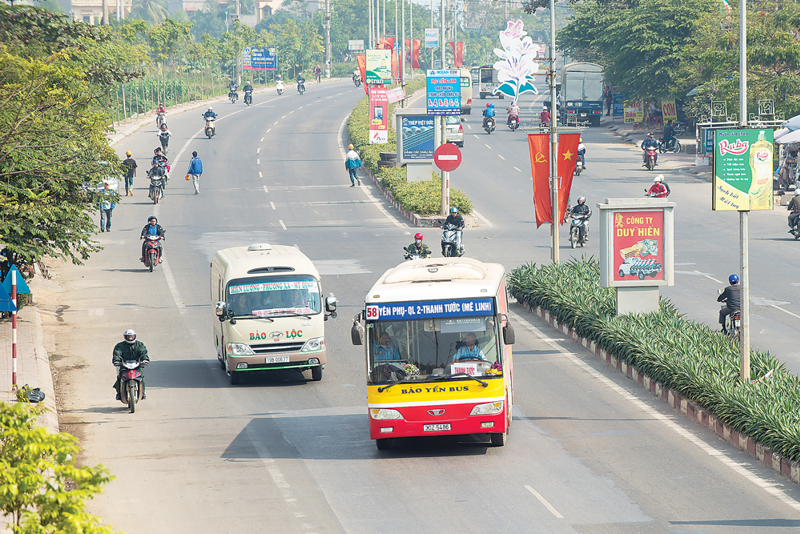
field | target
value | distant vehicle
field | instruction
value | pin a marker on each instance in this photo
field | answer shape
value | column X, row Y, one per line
column 466, row 92
column 582, row 93
column 485, row 78
column 455, row 130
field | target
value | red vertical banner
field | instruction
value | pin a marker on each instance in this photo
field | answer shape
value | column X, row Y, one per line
column 539, row 147
column 361, row 59
column 567, row 158
column 378, row 116
column 415, row 55
column 458, row 52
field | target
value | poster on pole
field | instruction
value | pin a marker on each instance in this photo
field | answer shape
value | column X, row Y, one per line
column 379, row 67
column 668, row 111
column 742, row 170
column 378, row 116
column 637, row 245
column 259, row 59
column 444, row 92
column 431, row 38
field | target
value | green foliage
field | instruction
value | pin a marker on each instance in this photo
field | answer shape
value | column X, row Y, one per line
column 423, row 198
column 42, row 490
column 684, row 355
column 153, row 11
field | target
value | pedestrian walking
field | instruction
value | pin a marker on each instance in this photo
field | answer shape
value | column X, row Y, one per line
column 351, row 163
column 129, row 164
column 318, row 73
column 195, row 171
column 608, row 97
column 106, row 207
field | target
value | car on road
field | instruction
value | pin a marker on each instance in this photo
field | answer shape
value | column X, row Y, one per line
column 455, row 130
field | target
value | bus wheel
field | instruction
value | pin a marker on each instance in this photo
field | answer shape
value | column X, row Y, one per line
column 383, row 443
column 316, row 373
column 498, row 440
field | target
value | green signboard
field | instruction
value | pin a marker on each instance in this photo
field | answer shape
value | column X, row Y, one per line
column 379, row 67
column 742, row 170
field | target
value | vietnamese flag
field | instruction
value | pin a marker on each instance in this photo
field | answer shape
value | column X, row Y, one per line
column 361, row 59
column 458, row 52
column 567, row 158
column 386, row 43
column 413, row 53
column 539, row 147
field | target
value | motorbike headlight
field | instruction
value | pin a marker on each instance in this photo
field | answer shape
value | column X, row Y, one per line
column 314, row 344
column 384, row 413
column 239, row 349
column 489, row 408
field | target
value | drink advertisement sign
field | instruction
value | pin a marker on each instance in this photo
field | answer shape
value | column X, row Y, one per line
column 378, row 116
column 742, row 170
column 637, row 245
column 444, row 92
column 379, row 67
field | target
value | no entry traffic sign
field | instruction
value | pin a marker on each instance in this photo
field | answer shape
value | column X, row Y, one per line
column 447, row 157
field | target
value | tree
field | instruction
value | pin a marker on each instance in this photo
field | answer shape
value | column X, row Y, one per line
column 167, row 38
column 153, row 11
column 41, row 487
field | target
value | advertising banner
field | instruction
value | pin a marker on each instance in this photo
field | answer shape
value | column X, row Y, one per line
column 397, row 311
column 632, row 111
column 418, row 137
column 395, row 95
column 378, row 116
column 356, row 45
column 742, row 170
column 431, row 38
column 638, row 245
column 379, row 67
column 259, row 59
column 444, row 92
column 618, row 105
column 668, row 111
column 539, row 147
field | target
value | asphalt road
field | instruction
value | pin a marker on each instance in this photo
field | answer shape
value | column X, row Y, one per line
column 588, row 451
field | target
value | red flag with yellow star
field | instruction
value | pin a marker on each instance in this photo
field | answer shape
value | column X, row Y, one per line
column 539, row 146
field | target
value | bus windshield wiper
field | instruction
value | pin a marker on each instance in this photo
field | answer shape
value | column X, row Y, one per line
column 296, row 315
column 481, row 382
column 384, row 388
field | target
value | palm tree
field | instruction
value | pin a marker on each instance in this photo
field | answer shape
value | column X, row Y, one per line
column 149, row 11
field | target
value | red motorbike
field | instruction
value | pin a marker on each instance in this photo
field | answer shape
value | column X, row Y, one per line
column 152, row 251
column 650, row 158
column 130, row 383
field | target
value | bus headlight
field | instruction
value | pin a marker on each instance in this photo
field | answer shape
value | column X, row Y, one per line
column 314, row 344
column 239, row 349
column 384, row 413
column 489, row 408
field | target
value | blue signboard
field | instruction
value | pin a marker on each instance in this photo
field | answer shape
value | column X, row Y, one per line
column 398, row 311
column 444, row 92
column 259, row 59
column 709, row 141
column 618, row 104
column 22, row 287
column 418, row 137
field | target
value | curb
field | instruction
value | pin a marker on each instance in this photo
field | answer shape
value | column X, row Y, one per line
column 45, row 374
column 410, row 215
column 693, row 411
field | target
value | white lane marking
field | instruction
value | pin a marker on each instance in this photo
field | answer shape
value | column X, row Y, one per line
column 301, row 107
column 680, row 264
column 272, row 204
column 173, row 287
column 265, row 189
column 268, row 131
column 501, row 157
column 258, row 150
column 276, row 122
column 260, row 175
column 262, row 140
column 468, row 126
column 544, row 502
column 487, row 146
column 763, row 483
column 282, row 118
column 291, row 112
column 258, row 161
column 282, row 225
column 481, row 217
column 783, row 310
column 475, row 136
column 520, row 170
column 709, row 277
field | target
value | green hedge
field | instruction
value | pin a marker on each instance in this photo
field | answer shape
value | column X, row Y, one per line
column 423, row 198
column 691, row 358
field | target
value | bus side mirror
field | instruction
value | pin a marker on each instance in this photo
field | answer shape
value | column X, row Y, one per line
column 330, row 305
column 508, row 334
column 357, row 334
column 221, row 310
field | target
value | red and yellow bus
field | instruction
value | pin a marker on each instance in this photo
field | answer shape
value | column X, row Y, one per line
column 438, row 351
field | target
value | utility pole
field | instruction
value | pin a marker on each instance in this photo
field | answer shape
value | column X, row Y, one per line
column 327, row 38
column 105, row 13
column 369, row 34
column 553, row 132
column 744, row 230
column 444, row 40
column 403, row 44
column 431, row 26
column 411, row 34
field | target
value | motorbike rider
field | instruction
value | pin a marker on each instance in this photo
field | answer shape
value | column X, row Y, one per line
column 544, row 117
column 161, row 110
column 649, row 142
column 513, row 111
column 232, row 87
column 159, row 158
column 248, row 89
column 794, row 207
column 582, row 152
column 418, row 247
column 301, row 81
column 658, row 189
column 732, row 297
column 582, row 209
column 488, row 113
column 457, row 221
column 128, row 350
column 163, row 135
column 788, row 173
column 669, row 135
column 153, row 228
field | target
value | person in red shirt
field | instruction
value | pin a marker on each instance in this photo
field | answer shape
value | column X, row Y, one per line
column 658, row 190
column 544, row 117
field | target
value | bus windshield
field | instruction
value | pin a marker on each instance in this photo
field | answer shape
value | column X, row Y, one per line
column 274, row 296
column 427, row 349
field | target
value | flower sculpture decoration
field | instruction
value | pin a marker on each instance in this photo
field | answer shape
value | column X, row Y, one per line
column 517, row 62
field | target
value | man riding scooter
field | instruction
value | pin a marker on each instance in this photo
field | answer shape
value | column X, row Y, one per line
column 513, row 112
column 732, row 297
column 153, row 228
column 417, row 248
column 488, row 115
column 128, row 350
column 649, row 142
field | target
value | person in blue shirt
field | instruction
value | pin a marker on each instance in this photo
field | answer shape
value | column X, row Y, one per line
column 195, row 171
column 650, row 141
column 106, row 207
column 488, row 113
column 384, row 351
column 152, row 228
column 210, row 114
column 470, row 351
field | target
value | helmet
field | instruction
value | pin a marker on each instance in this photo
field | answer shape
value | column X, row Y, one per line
column 491, row 105
column 453, row 210
column 130, row 336
column 418, row 235
column 209, row 108
column 658, row 179
column 649, row 134
column 152, row 218
column 488, row 104
column 733, row 279
column 581, row 200
column 796, row 192
column 350, row 147
column 128, row 153
column 161, row 104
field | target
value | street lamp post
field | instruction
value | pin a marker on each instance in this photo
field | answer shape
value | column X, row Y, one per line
column 553, row 132
column 744, row 237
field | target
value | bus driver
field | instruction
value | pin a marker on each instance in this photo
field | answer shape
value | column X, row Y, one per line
column 470, row 351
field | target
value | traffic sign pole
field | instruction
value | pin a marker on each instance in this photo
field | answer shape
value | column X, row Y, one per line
column 14, row 330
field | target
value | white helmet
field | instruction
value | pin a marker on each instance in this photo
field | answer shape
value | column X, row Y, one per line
column 209, row 108
column 130, row 336
column 658, row 179
column 796, row 192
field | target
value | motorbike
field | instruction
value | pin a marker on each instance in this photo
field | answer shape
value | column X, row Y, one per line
column 160, row 119
column 678, row 127
column 279, row 87
column 652, row 157
column 234, row 96
column 578, row 229
column 488, row 124
column 652, row 195
column 513, row 122
column 356, row 80
column 578, row 167
column 795, row 231
column 157, row 183
column 451, row 241
column 248, row 97
column 210, row 128
column 164, row 138
column 301, row 87
column 152, row 251
column 130, row 383
column 673, row 145
column 733, row 321
column 410, row 255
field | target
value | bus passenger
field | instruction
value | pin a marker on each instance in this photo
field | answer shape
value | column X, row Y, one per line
column 471, row 351
column 385, row 351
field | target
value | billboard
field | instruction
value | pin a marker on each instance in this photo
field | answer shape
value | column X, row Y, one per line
column 431, row 38
column 379, row 67
column 378, row 116
column 444, row 92
column 742, row 170
column 638, row 245
column 259, row 59
column 418, row 137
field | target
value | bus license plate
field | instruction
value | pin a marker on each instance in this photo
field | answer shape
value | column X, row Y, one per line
column 436, row 428
column 277, row 359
